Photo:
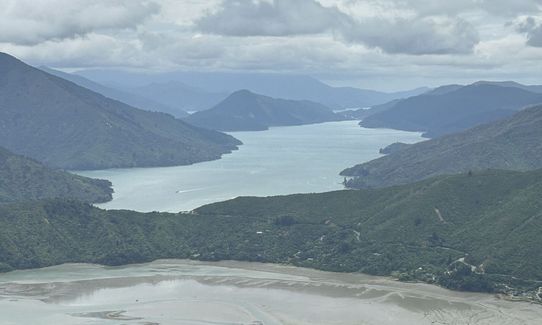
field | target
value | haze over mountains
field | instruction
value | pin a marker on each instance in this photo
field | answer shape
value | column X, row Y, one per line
column 246, row 111
column 453, row 108
column 180, row 95
column 131, row 99
column 513, row 143
column 295, row 87
column 64, row 125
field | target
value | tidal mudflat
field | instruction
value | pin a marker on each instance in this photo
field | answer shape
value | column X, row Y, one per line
column 195, row 293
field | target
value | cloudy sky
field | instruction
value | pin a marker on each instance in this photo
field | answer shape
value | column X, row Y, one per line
column 378, row 44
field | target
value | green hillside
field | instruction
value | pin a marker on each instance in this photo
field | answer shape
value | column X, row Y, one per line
column 477, row 232
column 25, row 179
column 514, row 144
column 64, row 125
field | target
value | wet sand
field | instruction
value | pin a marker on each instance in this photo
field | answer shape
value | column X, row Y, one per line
column 226, row 293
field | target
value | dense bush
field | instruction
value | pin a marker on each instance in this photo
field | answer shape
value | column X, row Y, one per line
column 486, row 237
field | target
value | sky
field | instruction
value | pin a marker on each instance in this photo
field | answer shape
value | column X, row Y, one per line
column 374, row 44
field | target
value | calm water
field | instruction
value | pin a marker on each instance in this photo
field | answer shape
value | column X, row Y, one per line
column 282, row 160
column 180, row 292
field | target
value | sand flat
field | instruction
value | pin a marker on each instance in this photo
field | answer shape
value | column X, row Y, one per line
column 188, row 292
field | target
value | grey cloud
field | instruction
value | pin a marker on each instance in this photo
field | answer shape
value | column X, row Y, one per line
column 533, row 29
column 30, row 22
column 511, row 7
column 416, row 36
column 535, row 37
column 284, row 17
column 506, row 8
column 277, row 18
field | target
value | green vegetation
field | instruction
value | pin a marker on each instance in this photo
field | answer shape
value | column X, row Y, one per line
column 394, row 147
column 246, row 111
column 477, row 231
column 25, row 179
column 514, row 144
column 64, row 125
column 451, row 109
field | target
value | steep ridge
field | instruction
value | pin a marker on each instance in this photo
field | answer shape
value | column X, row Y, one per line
column 64, row 125
column 133, row 100
column 451, row 109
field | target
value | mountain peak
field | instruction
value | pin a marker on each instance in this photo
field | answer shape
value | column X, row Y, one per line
column 243, row 93
column 244, row 110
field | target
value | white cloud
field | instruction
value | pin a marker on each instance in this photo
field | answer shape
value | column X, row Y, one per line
column 31, row 22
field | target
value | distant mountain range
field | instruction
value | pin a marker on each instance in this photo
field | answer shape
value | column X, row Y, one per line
column 23, row 179
column 132, row 99
column 247, row 111
column 513, row 84
column 452, row 108
column 65, row 125
column 295, row 87
column 180, row 95
column 514, row 143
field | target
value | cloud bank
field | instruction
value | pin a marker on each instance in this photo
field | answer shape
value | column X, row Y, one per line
column 413, row 35
column 376, row 43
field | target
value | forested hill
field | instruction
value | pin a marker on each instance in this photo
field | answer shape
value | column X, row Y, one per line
column 451, row 109
column 246, row 111
column 25, row 179
column 64, row 125
column 477, row 231
column 513, row 143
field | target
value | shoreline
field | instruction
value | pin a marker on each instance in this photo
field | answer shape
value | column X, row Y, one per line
column 270, row 267
column 172, row 291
